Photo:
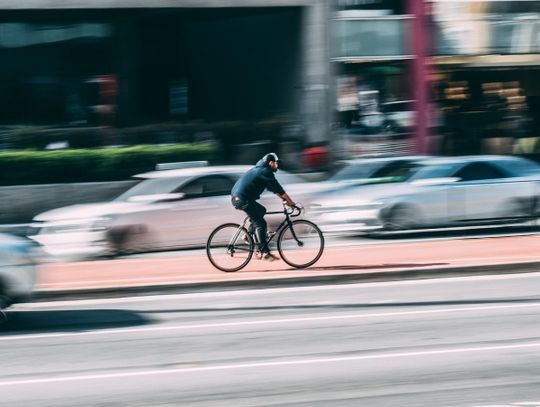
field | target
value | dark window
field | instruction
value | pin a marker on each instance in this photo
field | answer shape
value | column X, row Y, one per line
column 400, row 170
column 214, row 185
column 518, row 167
column 479, row 171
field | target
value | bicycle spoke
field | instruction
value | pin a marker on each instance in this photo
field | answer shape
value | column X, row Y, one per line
column 229, row 250
column 303, row 247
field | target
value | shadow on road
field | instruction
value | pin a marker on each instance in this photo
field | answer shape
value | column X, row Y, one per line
column 464, row 233
column 369, row 266
column 69, row 320
column 351, row 306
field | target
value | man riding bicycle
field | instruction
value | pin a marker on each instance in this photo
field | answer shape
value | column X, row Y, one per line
column 249, row 188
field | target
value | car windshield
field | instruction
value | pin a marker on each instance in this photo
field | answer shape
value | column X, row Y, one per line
column 355, row 171
column 397, row 107
column 394, row 172
column 435, row 171
column 378, row 172
column 151, row 186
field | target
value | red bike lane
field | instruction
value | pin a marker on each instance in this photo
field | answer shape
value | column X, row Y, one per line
column 342, row 260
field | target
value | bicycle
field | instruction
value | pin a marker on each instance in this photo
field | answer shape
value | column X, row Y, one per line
column 300, row 243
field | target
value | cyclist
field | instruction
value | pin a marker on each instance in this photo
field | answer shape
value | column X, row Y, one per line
column 249, row 188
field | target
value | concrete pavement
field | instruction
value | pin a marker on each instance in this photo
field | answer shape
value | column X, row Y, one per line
column 193, row 272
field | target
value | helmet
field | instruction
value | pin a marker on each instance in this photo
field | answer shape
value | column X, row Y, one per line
column 270, row 157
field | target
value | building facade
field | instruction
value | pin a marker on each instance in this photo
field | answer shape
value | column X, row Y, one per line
column 132, row 63
column 429, row 75
column 452, row 76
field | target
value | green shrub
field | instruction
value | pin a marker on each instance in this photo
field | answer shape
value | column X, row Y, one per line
column 25, row 167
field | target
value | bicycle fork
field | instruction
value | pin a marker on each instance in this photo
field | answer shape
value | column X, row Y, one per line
column 230, row 247
column 299, row 242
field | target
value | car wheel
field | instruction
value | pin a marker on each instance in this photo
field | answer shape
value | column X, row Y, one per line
column 400, row 217
column 520, row 209
column 5, row 301
column 126, row 240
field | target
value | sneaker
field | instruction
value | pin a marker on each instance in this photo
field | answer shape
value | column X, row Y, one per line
column 269, row 257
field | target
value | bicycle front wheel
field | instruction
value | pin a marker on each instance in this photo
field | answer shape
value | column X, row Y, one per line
column 229, row 247
column 302, row 245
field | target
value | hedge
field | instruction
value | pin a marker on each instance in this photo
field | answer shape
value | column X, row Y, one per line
column 25, row 167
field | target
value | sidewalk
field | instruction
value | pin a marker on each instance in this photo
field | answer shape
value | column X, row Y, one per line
column 193, row 272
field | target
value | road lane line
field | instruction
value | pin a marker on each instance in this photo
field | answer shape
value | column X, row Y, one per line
column 258, row 291
column 269, row 321
column 297, row 362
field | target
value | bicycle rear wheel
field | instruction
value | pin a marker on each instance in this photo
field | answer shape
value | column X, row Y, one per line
column 304, row 250
column 229, row 247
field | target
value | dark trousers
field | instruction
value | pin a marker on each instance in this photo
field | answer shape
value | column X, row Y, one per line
column 256, row 213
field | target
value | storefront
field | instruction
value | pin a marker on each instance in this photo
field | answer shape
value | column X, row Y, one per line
column 487, row 61
column 372, row 61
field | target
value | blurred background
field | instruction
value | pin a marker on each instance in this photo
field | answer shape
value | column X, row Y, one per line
column 97, row 92
column 408, row 129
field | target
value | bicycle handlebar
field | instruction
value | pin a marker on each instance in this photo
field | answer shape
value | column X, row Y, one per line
column 293, row 211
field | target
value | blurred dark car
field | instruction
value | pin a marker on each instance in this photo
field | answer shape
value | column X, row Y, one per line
column 19, row 259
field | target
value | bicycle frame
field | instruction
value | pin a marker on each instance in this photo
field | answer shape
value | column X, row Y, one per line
column 294, row 212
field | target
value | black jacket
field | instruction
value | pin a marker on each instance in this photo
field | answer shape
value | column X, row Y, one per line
column 252, row 184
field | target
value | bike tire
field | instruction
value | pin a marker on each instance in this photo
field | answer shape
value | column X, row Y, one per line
column 221, row 251
column 296, row 255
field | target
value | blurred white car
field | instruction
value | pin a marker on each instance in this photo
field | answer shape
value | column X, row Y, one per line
column 436, row 192
column 168, row 209
column 400, row 117
column 18, row 269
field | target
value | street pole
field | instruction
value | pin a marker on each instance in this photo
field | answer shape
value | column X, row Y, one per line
column 418, row 38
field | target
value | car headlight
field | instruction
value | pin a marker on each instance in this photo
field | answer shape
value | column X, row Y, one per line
column 367, row 206
column 100, row 224
column 77, row 226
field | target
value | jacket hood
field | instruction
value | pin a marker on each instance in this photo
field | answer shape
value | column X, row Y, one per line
column 261, row 164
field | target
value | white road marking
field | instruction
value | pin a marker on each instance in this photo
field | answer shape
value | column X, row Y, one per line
column 270, row 321
column 228, row 293
column 297, row 362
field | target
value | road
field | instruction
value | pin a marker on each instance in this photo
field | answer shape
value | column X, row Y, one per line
column 446, row 342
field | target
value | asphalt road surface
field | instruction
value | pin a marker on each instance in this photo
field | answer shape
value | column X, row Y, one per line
column 448, row 342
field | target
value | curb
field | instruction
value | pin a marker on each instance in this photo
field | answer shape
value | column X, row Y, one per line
column 280, row 282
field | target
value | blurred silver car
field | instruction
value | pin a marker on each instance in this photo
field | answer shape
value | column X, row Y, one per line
column 168, row 209
column 437, row 192
column 18, row 269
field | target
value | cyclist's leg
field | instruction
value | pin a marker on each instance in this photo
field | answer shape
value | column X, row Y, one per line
column 256, row 213
column 241, row 205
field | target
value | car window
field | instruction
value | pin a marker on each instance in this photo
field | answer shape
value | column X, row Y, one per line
column 478, row 172
column 519, row 166
column 152, row 186
column 213, row 185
